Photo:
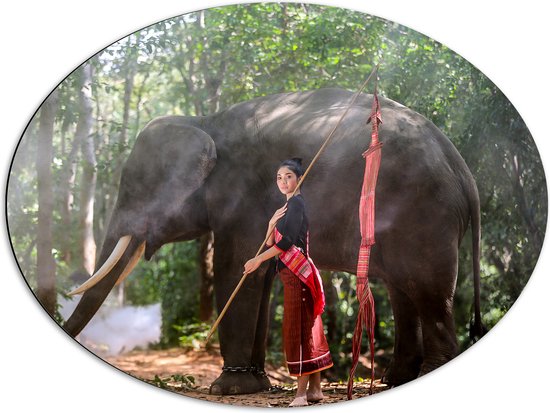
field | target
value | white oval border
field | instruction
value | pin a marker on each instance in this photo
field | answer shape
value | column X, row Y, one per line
column 43, row 44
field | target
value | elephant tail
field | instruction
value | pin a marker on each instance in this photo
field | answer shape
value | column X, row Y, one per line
column 477, row 329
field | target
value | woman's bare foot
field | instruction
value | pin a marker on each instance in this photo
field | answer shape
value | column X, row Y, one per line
column 315, row 395
column 299, row 401
column 301, row 392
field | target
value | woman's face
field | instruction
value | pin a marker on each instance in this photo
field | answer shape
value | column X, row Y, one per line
column 286, row 180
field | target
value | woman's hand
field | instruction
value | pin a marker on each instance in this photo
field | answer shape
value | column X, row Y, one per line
column 277, row 215
column 252, row 265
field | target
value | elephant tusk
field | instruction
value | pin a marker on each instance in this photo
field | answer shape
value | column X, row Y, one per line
column 115, row 256
column 132, row 263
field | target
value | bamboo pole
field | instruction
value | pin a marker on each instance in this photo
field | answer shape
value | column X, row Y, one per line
column 302, row 178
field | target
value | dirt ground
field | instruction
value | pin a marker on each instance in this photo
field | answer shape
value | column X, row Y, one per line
column 167, row 369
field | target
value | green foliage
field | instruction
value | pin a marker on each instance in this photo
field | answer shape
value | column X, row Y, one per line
column 192, row 335
column 172, row 280
column 174, row 382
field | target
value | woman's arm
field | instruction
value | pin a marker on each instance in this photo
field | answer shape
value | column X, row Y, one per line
column 292, row 225
column 270, row 235
column 253, row 264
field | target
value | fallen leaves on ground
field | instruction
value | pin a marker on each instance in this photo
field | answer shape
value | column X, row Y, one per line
column 190, row 372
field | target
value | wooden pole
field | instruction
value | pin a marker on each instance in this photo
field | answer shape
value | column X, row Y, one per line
column 325, row 143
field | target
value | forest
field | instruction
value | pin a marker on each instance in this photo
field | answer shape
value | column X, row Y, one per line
column 65, row 173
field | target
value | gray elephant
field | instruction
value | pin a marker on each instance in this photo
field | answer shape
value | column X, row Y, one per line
column 189, row 175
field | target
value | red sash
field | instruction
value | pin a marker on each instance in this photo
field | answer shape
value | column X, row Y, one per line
column 303, row 267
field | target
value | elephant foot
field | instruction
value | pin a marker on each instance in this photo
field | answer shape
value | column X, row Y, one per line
column 432, row 363
column 263, row 381
column 395, row 375
column 428, row 368
column 241, row 382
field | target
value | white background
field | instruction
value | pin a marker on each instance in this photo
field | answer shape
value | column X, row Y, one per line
column 41, row 367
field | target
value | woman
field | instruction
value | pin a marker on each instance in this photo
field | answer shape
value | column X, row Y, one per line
column 305, row 345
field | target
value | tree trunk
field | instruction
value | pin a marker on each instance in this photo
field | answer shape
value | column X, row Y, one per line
column 45, row 262
column 206, row 259
column 105, row 184
column 527, row 215
column 89, row 174
column 131, row 68
column 67, row 199
column 139, row 97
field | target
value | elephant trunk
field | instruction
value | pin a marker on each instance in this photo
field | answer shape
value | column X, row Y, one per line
column 118, row 258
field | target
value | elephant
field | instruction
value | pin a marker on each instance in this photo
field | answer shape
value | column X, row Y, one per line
column 188, row 175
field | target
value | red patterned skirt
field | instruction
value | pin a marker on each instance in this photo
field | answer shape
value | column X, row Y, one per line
column 305, row 344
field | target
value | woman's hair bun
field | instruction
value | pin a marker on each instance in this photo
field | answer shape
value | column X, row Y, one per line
column 294, row 164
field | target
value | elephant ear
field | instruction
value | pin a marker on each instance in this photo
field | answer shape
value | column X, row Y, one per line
column 189, row 154
column 170, row 161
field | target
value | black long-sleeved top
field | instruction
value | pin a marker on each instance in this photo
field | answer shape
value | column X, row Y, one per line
column 293, row 226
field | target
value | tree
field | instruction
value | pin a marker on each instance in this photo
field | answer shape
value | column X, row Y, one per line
column 45, row 262
column 69, row 110
column 89, row 174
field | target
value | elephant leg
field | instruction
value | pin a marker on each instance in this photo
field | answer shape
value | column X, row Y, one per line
column 260, row 341
column 438, row 332
column 237, row 329
column 407, row 355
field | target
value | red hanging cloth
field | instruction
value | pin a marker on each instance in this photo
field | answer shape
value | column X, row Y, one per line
column 366, row 316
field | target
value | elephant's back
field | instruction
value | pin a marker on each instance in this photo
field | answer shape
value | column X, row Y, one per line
column 422, row 176
column 303, row 120
column 416, row 154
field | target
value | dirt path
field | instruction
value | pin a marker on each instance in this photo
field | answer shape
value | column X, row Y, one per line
column 168, row 369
